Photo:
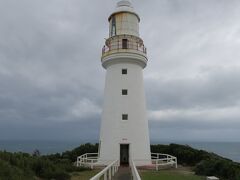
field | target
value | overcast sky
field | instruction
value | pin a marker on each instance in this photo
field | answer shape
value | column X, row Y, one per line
column 52, row 81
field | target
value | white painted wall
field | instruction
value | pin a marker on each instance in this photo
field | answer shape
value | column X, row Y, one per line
column 115, row 131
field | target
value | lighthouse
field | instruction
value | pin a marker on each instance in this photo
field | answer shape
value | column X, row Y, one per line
column 124, row 133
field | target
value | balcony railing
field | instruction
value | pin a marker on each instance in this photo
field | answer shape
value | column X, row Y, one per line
column 120, row 46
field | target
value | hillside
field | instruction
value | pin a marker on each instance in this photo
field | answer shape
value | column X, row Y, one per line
column 60, row 166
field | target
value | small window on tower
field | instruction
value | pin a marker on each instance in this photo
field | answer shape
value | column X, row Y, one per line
column 124, row 92
column 124, row 117
column 124, row 71
column 124, row 43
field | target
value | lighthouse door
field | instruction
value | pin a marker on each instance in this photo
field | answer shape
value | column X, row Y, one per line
column 124, row 154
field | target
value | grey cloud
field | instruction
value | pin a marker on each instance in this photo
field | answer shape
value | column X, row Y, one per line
column 51, row 79
column 213, row 88
column 192, row 135
column 220, row 118
column 81, row 131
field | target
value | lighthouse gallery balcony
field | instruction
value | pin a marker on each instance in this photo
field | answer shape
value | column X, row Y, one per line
column 124, row 44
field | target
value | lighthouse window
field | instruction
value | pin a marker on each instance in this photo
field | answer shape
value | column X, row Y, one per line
column 124, row 117
column 113, row 29
column 124, row 92
column 124, row 43
column 124, row 71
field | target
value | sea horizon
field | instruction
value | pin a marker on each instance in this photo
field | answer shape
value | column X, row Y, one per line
column 226, row 149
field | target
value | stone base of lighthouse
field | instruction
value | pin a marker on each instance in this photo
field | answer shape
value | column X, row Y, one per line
column 124, row 127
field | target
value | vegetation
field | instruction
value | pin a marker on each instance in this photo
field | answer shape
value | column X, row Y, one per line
column 204, row 163
column 169, row 175
column 14, row 166
column 84, row 175
column 83, row 149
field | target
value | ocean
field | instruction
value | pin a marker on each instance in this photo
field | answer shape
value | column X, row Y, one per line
column 230, row 150
column 44, row 146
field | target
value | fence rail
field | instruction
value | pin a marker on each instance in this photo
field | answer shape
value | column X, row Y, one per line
column 118, row 45
column 87, row 159
column 108, row 172
column 158, row 159
column 163, row 160
column 135, row 174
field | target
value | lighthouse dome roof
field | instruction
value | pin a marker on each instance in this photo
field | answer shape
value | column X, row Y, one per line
column 124, row 3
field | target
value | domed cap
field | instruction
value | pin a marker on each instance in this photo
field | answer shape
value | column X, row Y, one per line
column 124, row 6
column 124, row 3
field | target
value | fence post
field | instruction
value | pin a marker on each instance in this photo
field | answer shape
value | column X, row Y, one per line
column 114, row 170
column 91, row 164
column 105, row 176
column 110, row 174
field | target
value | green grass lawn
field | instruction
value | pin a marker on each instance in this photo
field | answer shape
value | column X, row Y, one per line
column 84, row 175
column 176, row 174
column 169, row 175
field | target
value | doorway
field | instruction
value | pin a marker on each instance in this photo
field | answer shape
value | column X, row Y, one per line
column 124, row 154
column 124, row 43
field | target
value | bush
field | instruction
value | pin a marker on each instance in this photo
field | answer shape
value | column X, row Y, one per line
column 85, row 148
column 205, row 163
column 221, row 168
column 12, row 173
column 56, row 166
column 23, row 166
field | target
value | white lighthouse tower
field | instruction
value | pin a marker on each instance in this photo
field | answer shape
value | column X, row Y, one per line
column 124, row 126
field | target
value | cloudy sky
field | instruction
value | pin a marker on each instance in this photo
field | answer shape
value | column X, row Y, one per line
column 52, row 82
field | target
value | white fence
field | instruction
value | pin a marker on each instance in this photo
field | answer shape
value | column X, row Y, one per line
column 108, row 172
column 91, row 159
column 87, row 160
column 163, row 160
column 134, row 170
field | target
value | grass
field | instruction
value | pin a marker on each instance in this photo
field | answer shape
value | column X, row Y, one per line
column 169, row 175
column 173, row 174
column 84, row 175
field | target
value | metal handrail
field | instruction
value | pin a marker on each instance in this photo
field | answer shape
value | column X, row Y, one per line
column 108, row 172
column 163, row 160
column 134, row 170
column 119, row 46
column 87, row 159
